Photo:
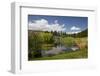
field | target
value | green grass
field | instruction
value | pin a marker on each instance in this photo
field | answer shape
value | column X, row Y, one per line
column 68, row 55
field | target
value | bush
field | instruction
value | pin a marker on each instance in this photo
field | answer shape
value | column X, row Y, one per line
column 68, row 41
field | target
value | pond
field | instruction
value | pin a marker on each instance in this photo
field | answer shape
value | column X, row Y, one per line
column 58, row 50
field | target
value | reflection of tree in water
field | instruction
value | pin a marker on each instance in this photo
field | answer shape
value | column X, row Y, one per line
column 34, row 45
column 56, row 41
column 36, row 40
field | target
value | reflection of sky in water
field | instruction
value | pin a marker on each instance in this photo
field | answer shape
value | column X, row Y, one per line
column 58, row 50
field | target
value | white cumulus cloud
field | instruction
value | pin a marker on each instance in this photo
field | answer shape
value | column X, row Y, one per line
column 43, row 25
column 74, row 28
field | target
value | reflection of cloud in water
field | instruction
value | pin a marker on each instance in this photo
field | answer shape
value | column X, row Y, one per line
column 58, row 50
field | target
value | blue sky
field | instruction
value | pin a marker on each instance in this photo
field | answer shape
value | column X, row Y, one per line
column 57, row 23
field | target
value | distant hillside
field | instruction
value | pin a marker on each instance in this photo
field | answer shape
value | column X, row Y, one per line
column 81, row 34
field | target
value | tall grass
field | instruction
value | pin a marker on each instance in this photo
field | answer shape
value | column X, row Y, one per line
column 81, row 42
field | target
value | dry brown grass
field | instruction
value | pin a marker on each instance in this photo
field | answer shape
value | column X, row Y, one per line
column 81, row 42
